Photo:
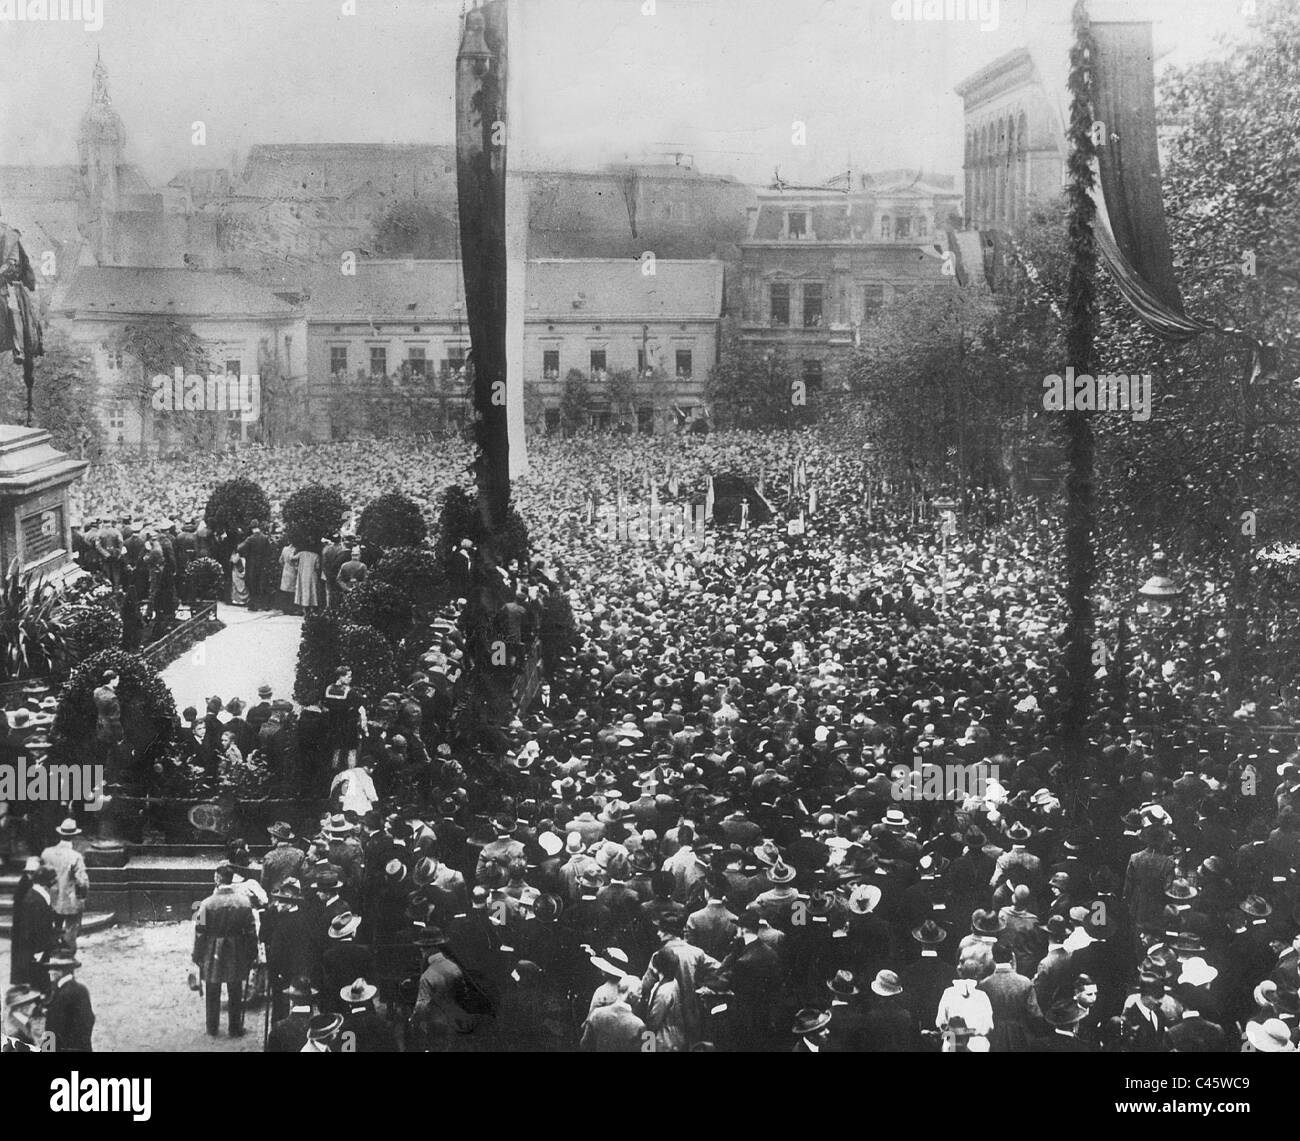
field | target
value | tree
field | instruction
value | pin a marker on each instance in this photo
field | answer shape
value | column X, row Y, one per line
column 63, row 398
column 623, row 394
column 311, row 513
column 284, row 414
column 157, row 346
column 575, row 399
column 148, row 711
column 754, row 387
column 534, row 406
column 392, row 520
column 1211, row 478
column 233, row 506
column 412, row 228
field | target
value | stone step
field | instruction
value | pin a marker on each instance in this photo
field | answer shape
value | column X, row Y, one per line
column 91, row 922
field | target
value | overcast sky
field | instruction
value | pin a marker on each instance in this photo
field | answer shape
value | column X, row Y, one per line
column 598, row 79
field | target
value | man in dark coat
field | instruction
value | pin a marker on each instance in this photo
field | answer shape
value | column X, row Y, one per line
column 35, row 928
column 344, row 959
column 889, row 1025
column 289, row 1035
column 256, row 552
column 370, row 1034
column 68, row 1014
column 225, row 945
column 291, row 949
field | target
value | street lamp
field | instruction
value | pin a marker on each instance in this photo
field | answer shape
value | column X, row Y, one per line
column 1160, row 595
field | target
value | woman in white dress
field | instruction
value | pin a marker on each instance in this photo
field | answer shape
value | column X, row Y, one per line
column 238, row 583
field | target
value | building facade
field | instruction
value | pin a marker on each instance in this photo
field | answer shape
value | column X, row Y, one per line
column 598, row 317
column 1015, row 141
column 245, row 330
column 820, row 260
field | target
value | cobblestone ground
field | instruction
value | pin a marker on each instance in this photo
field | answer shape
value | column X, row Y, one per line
column 136, row 978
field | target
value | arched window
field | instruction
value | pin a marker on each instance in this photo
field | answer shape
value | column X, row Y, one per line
column 886, row 228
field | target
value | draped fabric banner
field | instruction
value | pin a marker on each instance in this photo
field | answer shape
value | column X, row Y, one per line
column 1124, row 106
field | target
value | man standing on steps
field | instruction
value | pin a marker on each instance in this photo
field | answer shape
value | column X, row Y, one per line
column 225, row 945
column 256, row 552
column 71, row 883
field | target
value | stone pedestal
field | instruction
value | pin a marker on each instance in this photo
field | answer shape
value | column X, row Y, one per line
column 34, row 481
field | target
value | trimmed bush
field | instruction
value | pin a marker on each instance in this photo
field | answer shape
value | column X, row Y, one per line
column 459, row 519
column 370, row 654
column 381, row 605
column 234, row 504
column 204, row 579
column 89, row 629
column 318, row 654
column 392, row 520
column 329, row 642
column 311, row 513
column 148, row 711
column 416, row 572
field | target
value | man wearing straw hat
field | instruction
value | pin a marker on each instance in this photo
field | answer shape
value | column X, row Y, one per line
column 71, row 883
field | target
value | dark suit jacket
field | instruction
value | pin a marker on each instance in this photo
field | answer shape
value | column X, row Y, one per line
column 1054, row 978
column 373, row 1034
column 34, row 933
column 289, row 1035
column 70, row 1018
column 342, row 963
column 890, row 1026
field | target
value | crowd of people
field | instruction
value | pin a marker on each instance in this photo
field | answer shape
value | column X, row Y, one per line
column 714, row 827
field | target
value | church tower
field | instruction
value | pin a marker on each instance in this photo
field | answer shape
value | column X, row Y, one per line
column 99, row 148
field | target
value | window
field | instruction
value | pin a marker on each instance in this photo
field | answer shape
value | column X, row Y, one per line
column 116, row 416
column 416, row 359
column 797, row 224
column 378, row 360
column 640, row 362
column 288, row 354
column 454, row 365
column 873, row 298
column 903, row 228
column 684, row 366
column 597, row 361
column 338, row 359
column 886, row 228
column 812, row 304
column 234, row 367
column 780, row 297
column 812, row 374
column 114, row 359
column 922, row 227
column 551, row 364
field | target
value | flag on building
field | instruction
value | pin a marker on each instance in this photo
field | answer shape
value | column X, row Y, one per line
column 708, row 500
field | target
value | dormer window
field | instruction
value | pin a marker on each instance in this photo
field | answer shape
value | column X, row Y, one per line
column 886, row 228
column 796, row 224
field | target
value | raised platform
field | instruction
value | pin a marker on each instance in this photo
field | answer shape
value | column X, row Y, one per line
column 159, row 883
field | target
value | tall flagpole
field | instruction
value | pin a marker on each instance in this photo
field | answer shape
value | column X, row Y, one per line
column 481, row 66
